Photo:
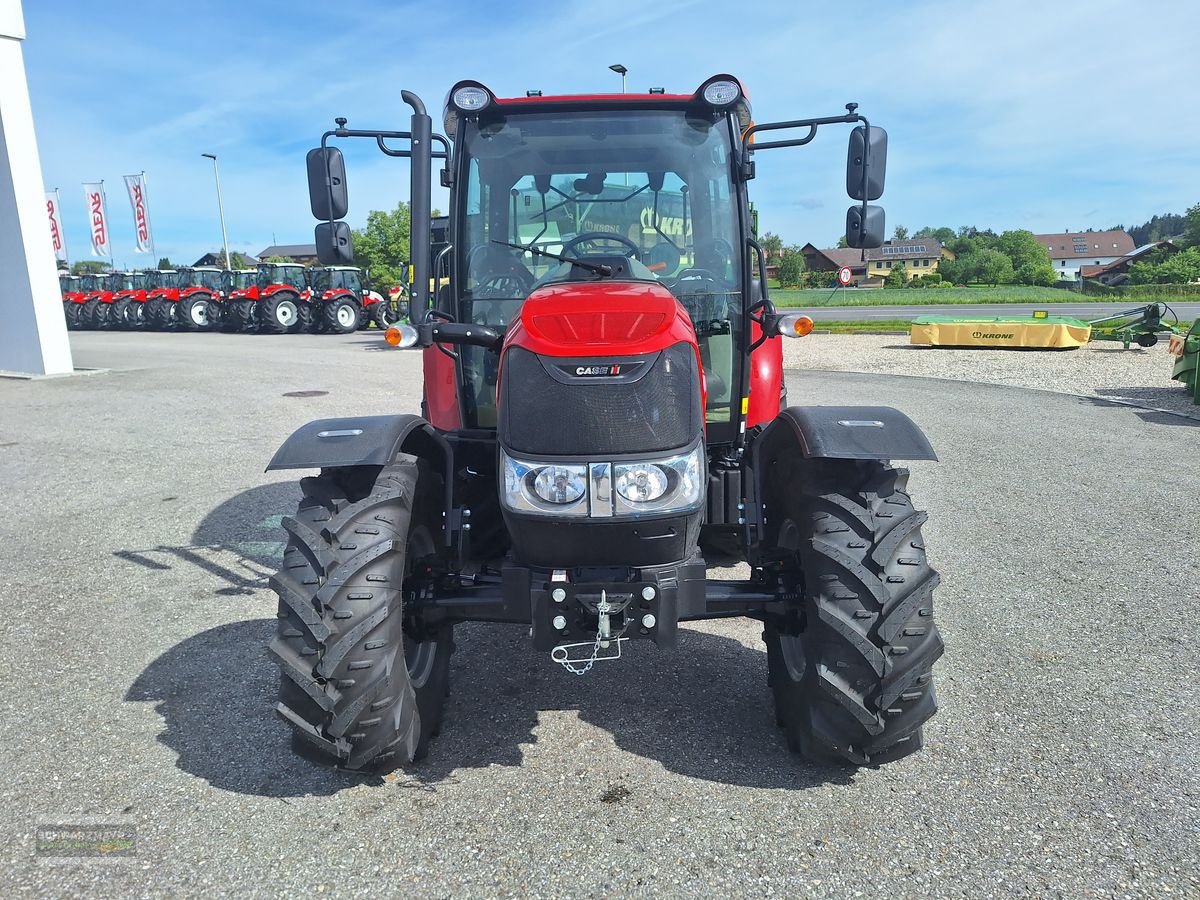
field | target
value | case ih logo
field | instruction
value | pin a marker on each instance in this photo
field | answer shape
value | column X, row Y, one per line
column 597, row 371
column 96, row 205
column 139, row 214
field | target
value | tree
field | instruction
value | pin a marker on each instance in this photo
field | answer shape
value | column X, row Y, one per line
column 89, row 267
column 165, row 263
column 382, row 246
column 279, row 259
column 1035, row 273
column 1167, row 268
column 992, row 267
column 843, row 243
column 900, row 233
column 897, row 277
column 1022, row 249
column 942, row 235
column 791, row 268
column 1192, row 235
column 236, row 260
column 772, row 245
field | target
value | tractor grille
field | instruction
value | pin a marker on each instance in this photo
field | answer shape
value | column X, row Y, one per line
column 658, row 409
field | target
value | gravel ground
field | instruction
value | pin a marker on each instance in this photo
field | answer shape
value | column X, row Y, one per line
column 139, row 532
column 1102, row 370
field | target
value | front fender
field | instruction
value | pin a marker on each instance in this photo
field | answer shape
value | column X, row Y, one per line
column 360, row 441
column 849, row 432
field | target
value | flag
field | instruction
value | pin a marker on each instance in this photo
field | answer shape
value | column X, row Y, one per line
column 136, row 186
column 56, row 232
column 97, row 211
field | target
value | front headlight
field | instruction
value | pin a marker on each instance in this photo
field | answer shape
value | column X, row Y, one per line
column 578, row 489
column 663, row 485
column 555, row 489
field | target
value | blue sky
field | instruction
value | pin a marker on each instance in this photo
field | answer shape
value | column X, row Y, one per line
column 1045, row 116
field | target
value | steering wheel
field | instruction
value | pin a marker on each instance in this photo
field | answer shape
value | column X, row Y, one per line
column 504, row 285
column 584, row 237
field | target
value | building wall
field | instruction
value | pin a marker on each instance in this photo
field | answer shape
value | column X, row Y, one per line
column 1068, row 269
column 923, row 265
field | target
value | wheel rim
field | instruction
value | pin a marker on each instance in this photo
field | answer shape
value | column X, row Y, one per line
column 285, row 313
column 791, row 649
column 346, row 315
column 199, row 312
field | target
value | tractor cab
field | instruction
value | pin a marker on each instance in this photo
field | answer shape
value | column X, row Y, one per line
column 206, row 277
column 335, row 278
column 237, row 280
column 68, row 284
column 291, row 274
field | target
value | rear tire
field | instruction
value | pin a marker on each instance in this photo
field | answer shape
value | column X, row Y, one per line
column 852, row 678
column 240, row 316
column 193, row 313
column 160, row 314
column 306, row 316
column 120, row 315
column 362, row 685
column 71, row 312
column 90, row 315
column 382, row 315
column 281, row 313
column 341, row 315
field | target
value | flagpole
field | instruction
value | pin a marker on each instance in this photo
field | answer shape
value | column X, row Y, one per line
column 149, row 224
column 112, row 265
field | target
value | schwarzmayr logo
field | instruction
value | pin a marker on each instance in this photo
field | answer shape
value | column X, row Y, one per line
column 993, row 335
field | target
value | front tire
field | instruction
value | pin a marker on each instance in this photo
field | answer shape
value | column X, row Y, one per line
column 91, row 316
column 120, row 314
column 71, row 312
column 240, row 316
column 341, row 315
column 281, row 313
column 362, row 684
column 851, row 676
column 382, row 315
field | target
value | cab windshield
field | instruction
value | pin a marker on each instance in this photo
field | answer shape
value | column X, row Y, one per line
column 335, row 279
column 120, row 282
column 647, row 193
column 280, row 274
column 168, row 279
column 206, row 278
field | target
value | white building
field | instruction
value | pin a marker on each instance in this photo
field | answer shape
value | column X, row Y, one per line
column 1072, row 249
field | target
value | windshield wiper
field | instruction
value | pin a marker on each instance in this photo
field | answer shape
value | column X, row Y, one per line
column 598, row 269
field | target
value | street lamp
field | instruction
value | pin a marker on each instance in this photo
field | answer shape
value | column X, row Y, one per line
column 620, row 70
column 220, row 207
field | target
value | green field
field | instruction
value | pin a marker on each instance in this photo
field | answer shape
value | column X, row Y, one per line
column 928, row 296
column 869, row 326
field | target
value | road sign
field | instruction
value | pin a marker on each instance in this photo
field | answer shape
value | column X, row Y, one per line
column 844, row 276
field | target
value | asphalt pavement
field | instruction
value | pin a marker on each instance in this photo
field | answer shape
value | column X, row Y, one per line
column 139, row 530
column 1187, row 312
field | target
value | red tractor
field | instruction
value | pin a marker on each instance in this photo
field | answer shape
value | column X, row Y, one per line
column 604, row 418
column 72, row 291
column 232, row 280
column 185, row 299
column 342, row 304
column 273, row 303
column 129, row 291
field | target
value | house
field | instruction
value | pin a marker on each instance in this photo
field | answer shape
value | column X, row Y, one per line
column 920, row 257
column 1117, row 271
column 217, row 258
column 1073, row 249
column 301, row 253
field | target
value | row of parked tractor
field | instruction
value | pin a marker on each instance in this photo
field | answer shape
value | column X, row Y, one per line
column 273, row 298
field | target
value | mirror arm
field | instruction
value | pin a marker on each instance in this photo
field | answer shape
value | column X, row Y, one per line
column 810, row 124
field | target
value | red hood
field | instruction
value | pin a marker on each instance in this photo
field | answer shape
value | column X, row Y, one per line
column 614, row 318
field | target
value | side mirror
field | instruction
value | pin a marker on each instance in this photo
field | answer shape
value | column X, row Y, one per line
column 864, row 228
column 326, row 183
column 866, row 163
column 334, row 247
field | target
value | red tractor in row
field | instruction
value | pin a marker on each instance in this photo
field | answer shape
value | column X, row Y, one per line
column 604, row 419
column 185, row 299
column 341, row 302
column 272, row 302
